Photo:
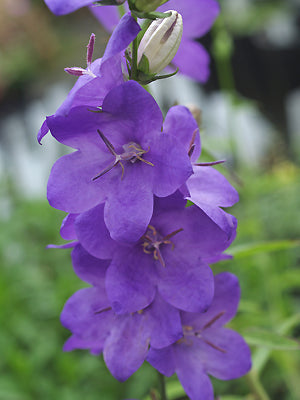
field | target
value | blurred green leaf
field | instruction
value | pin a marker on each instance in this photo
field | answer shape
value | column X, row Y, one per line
column 270, row 339
column 249, row 249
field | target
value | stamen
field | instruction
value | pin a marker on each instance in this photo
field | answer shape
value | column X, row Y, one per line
column 107, row 143
column 214, row 346
column 103, row 310
column 90, row 50
column 208, row 164
column 172, row 234
column 132, row 152
column 152, row 241
column 213, row 320
column 192, row 143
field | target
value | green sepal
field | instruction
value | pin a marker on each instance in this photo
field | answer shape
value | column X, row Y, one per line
column 145, row 79
column 144, row 65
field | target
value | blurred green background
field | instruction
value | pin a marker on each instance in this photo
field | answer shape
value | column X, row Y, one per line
column 35, row 282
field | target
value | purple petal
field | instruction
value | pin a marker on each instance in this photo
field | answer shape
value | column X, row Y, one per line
column 209, row 186
column 127, row 346
column 42, row 132
column 191, row 374
column 130, row 281
column 60, row 7
column 225, row 303
column 93, row 233
column 129, row 206
column 172, row 166
column 80, row 315
column 180, row 123
column 163, row 360
column 78, row 129
column 108, row 16
column 186, row 286
column 70, row 186
column 192, row 60
column 232, row 362
column 88, row 268
column 125, row 32
column 75, row 342
column 132, row 112
column 164, row 323
column 67, row 229
column 198, row 15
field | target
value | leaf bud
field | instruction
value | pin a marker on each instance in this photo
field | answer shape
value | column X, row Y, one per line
column 160, row 43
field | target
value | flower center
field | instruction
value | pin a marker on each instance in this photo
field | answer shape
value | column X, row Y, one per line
column 132, row 152
column 152, row 240
column 190, row 332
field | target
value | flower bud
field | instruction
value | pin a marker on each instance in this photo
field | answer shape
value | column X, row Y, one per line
column 161, row 41
column 148, row 5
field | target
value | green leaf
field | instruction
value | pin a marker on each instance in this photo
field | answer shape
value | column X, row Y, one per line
column 271, row 340
column 251, row 249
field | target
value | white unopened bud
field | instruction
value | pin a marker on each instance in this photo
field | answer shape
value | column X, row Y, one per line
column 161, row 41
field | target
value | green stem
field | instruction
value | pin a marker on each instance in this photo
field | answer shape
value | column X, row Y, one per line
column 256, row 386
column 162, row 387
column 134, row 55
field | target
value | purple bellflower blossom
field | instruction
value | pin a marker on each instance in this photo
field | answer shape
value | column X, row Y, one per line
column 170, row 258
column 123, row 339
column 198, row 17
column 100, row 76
column 122, row 159
column 207, row 347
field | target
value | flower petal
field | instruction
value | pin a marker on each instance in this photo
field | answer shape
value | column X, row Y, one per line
column 198, row 15
column 70, row 186
column 88, row 268
column 164, row 323
column 225, row 303
column 192, row 60
column 129, row 206
column 130, row 281
column 180, row 123
column 231, row 363
column 191, row 373
column 126, row 348
column 186, row 286
column 172, row 166
column 163, row 360
column 93, row 233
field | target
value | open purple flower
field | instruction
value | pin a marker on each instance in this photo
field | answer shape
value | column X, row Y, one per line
column 198, row 17
column 123, row 339
column 170, row 257
column 123, row 159
column 207, row 347
column 100, row 76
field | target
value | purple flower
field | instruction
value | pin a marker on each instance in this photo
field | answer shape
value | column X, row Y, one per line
column 207, row 347
column 170, row 257
column 100, row 76
column 123, row 158
column 198, row 17
column 123, row 339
